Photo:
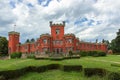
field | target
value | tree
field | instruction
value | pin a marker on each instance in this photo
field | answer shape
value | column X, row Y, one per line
column 96, row 40
column 27, row 41
column 103, row 41
column 115, row 44
column 32, row 40
column 3, row 45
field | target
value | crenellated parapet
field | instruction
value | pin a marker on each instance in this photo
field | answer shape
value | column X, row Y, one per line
column 69, row 34
column 45, row 35
column 13, row 32
column 60, row 24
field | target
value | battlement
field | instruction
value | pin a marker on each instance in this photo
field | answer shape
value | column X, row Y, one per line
column 48, row 35
column 13, row 32
column 60, row 24
column 69, row 34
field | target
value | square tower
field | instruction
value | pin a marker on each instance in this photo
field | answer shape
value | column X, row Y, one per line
column 13, row 41
column 57, row 30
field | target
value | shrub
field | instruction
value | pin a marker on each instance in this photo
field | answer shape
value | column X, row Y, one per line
column 101, row 53
column 53, row 66
column 92, row 53
column 2, row 78
column 114, row 76
column 16, row 55
column 83, row 53
column 31, row 56
column 94, row 71
column 72, row 68
column 70, row 53
column 56, row 58
column 115, row 64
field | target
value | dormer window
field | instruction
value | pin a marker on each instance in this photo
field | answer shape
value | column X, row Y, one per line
column 57, row 31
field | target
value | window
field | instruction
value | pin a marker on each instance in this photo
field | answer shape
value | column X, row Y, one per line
column 57, row 31
column 69, row 40
column 45, row 41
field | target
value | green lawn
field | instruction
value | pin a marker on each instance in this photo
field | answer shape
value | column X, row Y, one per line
column 98, row 62
column 86, row 62
column 58, row 75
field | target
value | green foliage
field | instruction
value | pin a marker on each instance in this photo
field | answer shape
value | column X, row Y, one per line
column 115, row 64
column 11, row 74
column 115, row 44
column 94, row 71
column 31, row 56
column 56, row 58
column 72, row 68
column 114, row 76
column 83, row 53
column 16, row 55
column 70, row 53
column 32, row 40
column 27, row 41
column 92, row 53
column 3, row 45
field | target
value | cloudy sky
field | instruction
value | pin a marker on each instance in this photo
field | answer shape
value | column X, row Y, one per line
column 87, row 19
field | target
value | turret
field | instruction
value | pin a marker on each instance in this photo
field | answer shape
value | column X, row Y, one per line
column 13, row 41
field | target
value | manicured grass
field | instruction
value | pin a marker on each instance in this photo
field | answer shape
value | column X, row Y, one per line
column 90, row 62
column 58, row 75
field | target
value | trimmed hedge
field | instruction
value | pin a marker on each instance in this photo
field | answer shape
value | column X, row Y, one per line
column 72, row 68
column 94, row 71
column 114, row 76
column 115, row 64
column 11, row 74
column 16, row 55
column 92, row 53
column 58, row 58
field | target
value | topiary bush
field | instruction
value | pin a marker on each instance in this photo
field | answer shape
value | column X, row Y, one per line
column 72, row 68
column 115, row 64
column 16, row 55
column 83, row 53
column 94, row 71
column 114, row 76
column 56, row 58
column 53, row 66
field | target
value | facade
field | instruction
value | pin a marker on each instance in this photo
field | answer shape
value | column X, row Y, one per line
column 57, row 42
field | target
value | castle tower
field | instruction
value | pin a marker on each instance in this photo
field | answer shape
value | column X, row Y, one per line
column 57, row 30
column 13, row 41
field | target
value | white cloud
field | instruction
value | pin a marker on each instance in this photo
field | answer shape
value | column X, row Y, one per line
column 33, row 21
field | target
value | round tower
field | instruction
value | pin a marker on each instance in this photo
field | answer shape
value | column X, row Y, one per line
column 13, row 41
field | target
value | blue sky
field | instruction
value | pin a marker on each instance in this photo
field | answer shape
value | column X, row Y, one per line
column 87, row 19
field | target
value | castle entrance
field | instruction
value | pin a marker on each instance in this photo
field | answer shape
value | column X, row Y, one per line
column 57, row 51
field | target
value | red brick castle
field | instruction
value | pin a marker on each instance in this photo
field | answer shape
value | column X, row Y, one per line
column 57, row 42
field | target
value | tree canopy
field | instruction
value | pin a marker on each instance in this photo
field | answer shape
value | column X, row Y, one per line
column 3, row 45
column 115, row 43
